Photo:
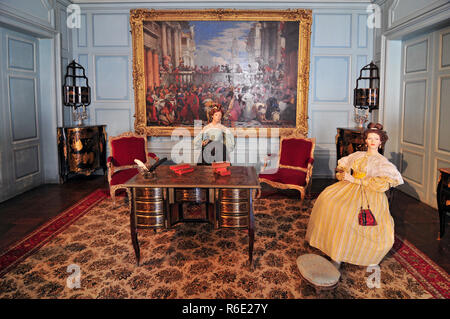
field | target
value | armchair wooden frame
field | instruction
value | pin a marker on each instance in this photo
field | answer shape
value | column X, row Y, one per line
column 308, row 170
column 114, row 169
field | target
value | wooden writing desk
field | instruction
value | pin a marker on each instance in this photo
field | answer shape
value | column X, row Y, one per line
column 226, row 201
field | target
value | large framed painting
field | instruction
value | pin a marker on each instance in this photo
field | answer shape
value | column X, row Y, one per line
column 253, row 63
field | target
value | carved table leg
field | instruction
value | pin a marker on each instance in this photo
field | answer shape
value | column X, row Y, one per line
column 251, row 230
column 441, row 204
column 133, row 227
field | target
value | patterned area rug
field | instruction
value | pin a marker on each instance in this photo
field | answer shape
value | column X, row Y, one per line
column 193, row 260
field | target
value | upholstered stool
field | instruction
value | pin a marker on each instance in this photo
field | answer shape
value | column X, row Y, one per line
column 318, row 271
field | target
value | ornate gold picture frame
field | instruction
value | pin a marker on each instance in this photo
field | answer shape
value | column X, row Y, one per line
column 254, row 63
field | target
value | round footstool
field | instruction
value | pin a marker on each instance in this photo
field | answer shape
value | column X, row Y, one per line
column 318, row 271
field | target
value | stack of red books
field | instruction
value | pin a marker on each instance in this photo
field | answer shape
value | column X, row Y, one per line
column 181, row 169
column 221, row 168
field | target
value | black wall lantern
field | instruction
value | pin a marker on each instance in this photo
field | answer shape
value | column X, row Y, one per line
column 367, row 98
column 75, row 95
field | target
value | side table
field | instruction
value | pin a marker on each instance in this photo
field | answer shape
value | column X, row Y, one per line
column 443, row 198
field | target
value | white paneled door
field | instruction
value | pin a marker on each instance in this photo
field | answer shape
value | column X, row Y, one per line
column 20, row 152
column 425, row 129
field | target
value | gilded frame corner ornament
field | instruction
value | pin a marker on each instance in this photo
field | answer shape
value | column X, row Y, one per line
column 139, row 16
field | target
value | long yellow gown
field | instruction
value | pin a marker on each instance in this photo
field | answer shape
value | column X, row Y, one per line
column 333, row 226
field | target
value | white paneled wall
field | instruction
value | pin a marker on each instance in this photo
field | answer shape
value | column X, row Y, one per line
column 102, row 45
column 341, row 45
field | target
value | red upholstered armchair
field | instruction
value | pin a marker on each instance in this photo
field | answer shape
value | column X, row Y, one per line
column 295, row 164
column 124, row 149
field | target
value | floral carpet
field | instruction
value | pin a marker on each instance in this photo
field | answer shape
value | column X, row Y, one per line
column 92, row 257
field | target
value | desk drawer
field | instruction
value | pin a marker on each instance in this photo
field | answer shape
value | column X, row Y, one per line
column 233, row 208
column 233, row 221
column 234, row 194
column 150, row 221
column 149, row 193
column 149, row 207
column 191, row 194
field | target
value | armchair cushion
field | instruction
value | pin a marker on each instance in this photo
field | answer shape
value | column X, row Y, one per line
column 286, row 176
column 125, row 150
column 296, row 152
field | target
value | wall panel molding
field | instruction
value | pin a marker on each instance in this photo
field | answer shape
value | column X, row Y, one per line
column 341, row 37
column 416, row 57
column 26, row 162
column 21, row 60
column 112, row 77
column 444, row 50
column 443, row 115
column 413, row 166
column 331, row 78
column 415, row 106
column 362, row 31
column 110, row 30
column 23, row 108
column 117, row 121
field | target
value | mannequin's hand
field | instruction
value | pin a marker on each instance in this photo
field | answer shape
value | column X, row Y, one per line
column 205, row 142
column 348, row 177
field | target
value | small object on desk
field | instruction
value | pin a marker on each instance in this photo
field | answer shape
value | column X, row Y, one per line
column 224, row 173
column 143, row 170
column 141, row 165
column 155, row 166
column 184, row 170
column 179, row 166
column 220, row 165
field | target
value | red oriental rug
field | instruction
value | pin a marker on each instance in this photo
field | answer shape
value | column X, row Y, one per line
column 27, row 246
column 186, row 262
column 431, row 276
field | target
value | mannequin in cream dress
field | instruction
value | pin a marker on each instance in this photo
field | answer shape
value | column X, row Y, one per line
column 215, row 139
column 333, row 226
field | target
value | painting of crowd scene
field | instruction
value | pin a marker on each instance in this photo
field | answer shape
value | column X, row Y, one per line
column 249, row 68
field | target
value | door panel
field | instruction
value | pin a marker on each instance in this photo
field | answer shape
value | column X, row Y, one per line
column 425, row 138
column 444, row 115
column 415, row 104
column 414, row 112
column 23, row 120
column 440, row 141
column 20, row 158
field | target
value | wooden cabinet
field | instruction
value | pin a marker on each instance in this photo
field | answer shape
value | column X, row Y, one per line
column 350, row 140
column 81, row 150
column 443, row 198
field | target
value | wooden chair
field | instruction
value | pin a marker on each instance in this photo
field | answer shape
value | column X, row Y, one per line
column 124, row 149
column 295, row 164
